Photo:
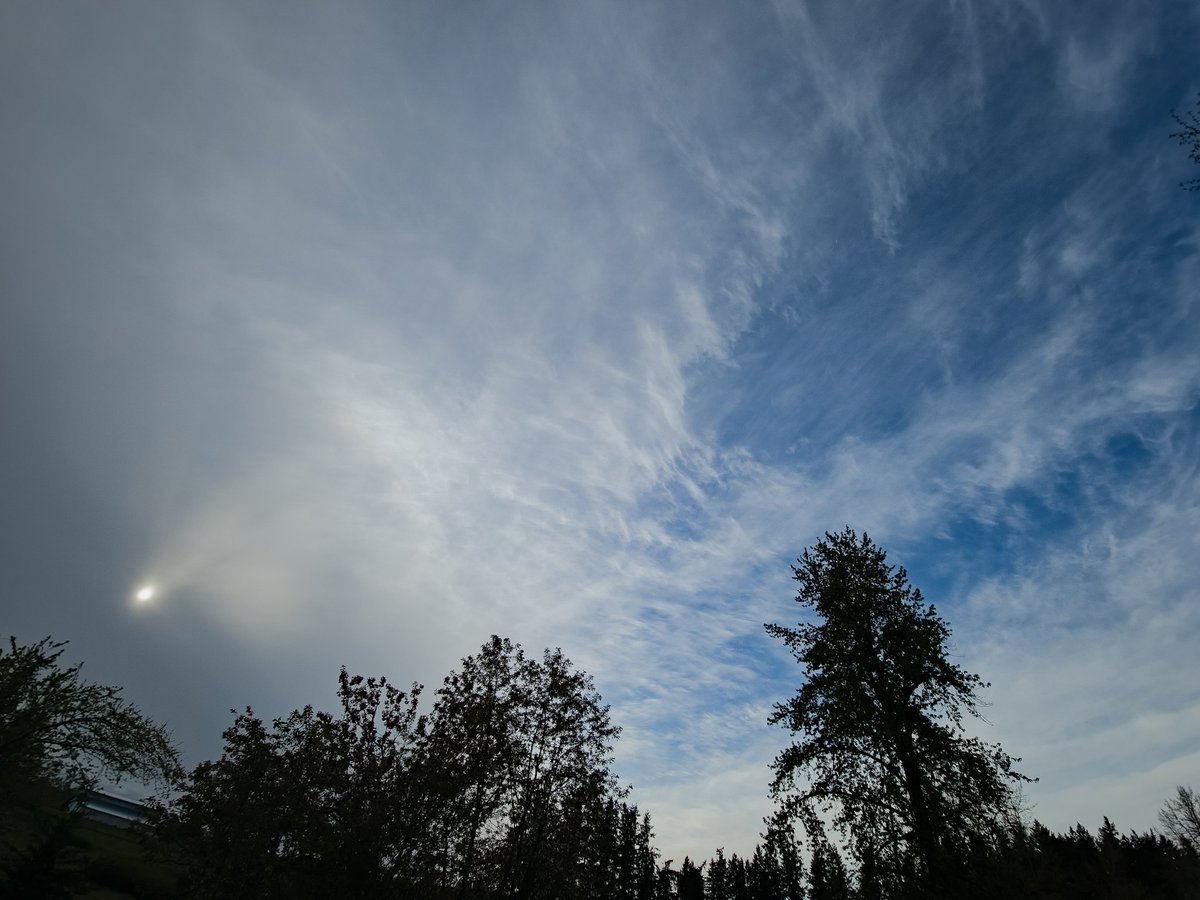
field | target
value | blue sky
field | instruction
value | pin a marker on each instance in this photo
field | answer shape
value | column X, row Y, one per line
column 367, row 331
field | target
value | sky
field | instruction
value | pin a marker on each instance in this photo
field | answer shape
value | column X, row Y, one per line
column 364, row 331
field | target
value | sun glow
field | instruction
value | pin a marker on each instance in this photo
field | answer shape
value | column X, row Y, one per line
column 144, row 593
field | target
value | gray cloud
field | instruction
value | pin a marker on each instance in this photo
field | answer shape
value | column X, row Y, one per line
column 365, row 334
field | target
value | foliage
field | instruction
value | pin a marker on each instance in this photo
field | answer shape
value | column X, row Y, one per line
column 773, row 872
column 827, row 877
column 882, row 753
column 51, row 847
column 519, row 752
column 1180, row 816
column 49, row 866
column 502, row 790
column 618, row 861
column 690, row 883
column 56, row 726
column 1021, row 863
column 315, row 805
column 1189, row 136
column 60, row 736
column 1036, row 863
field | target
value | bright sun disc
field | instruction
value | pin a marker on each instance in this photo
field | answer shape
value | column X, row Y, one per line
column 144, row 593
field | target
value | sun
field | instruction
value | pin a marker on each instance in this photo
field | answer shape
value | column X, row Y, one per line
column 145, row 593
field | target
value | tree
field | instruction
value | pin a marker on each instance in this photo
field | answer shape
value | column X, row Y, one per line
column 520, row 750
column 237, row 823
column 1189, row 136
column 315, row 805
column 737, row 883
column 608, row 868
column 717, row 882
column 690, row 882
column 666, row 882
column 1034, row 862
column 764, row 874
column 502, row 790
column 1180, row 816
column 60, row 733
column 647, row 857
column 827, row 878
column 57, row 727
column 881, row 752
column 791, row 869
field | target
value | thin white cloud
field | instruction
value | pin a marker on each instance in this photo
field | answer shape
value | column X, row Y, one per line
column 1095, row 71
column 480, row 329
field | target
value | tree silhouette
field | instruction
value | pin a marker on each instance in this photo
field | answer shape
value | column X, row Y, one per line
column 60, row 733
column 54, row 725
column 690, row 881
column 1180, row 816
column 519, row 750
column 717, row 881
column 1189, row 136
column 827, row 879
column 881, row 749
column 503, row 790
column 315, row 805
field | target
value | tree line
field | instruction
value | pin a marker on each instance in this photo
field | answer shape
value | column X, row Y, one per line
column 503, row 787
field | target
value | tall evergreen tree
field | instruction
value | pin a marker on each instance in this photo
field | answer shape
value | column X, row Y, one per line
column 791, row 868
column 717, row 882
column 764, row 875
column 739, row 885
column 881, row 748
column 628, row 853
column 647, row 857
column 690, row 882
column 827, row 878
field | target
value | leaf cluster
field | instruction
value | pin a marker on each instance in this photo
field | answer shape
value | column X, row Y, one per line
column 1189, row 136
column 57, row 726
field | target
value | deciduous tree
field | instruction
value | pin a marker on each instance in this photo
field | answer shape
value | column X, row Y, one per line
column 57, row 726
column 501, row 791
column 60, row 733
column 1180, row 816
column 520, row 749
column 313, row 805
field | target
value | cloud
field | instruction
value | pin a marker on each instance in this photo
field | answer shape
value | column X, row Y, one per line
column 1095, row 70
column 371, row 333
column 1093, row 696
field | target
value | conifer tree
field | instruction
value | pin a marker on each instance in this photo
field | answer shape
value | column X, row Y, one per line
column 881, row 750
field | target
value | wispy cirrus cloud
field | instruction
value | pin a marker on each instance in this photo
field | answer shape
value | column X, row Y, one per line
column 371, row 333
